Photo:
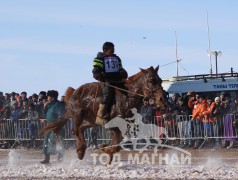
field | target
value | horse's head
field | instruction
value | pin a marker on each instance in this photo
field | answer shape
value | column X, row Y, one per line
column 153, row 86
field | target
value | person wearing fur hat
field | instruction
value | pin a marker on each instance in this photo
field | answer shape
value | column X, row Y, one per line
column 54, row 111
column 42, row 95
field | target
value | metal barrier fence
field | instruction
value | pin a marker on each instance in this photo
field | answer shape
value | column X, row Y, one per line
column 179, row 127
column 24, row 129
column 184, row 127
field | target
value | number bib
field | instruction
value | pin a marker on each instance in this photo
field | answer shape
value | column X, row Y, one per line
column 111, row 64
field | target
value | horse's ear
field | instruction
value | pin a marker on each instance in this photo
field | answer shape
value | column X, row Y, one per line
column 157, row 69
column 143, row 70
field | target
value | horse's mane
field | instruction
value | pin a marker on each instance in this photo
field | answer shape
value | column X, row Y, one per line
column 134, row 77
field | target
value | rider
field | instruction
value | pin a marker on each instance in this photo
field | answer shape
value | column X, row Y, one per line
column 109, row 71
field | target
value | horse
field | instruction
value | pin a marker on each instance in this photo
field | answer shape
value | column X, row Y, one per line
column 144, row 131
column 82, row 105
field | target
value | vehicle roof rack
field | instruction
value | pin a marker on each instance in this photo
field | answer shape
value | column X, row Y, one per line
column 206, row 76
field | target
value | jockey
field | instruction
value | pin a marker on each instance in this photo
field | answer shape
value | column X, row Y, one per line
column 107, row 68
column 54, row 111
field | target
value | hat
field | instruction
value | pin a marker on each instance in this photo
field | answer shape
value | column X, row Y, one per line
column 209, row 97
column 35, row 95
column 223, row 93
column 217, row 99
column 53, row 93
column 42, row 93
column 12, row 94
column 1, row 93
column 23, row 93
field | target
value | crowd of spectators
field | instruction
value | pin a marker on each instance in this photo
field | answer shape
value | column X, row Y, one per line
column 15, row 106
column 193, row 117
column 187, row 117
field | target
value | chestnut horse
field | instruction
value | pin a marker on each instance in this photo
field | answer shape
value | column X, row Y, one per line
column 82, row 105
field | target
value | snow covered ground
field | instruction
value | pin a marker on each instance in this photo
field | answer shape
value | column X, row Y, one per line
column 24, row 164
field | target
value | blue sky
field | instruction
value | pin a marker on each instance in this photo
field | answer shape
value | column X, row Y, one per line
column 51, row 44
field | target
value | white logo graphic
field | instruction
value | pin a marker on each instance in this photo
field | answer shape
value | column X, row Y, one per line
column 134, row 132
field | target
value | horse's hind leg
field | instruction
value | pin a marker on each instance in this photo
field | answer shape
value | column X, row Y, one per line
column 115, row 143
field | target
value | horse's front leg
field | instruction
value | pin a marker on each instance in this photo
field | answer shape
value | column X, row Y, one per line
column 77, row 122
column 81, row 144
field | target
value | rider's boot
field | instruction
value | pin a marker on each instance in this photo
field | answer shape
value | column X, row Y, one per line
column 102, row 116
column 46, row 160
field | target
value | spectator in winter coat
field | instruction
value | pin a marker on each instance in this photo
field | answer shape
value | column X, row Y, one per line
column 146, row 112
column 2, row 101
column 32, row 117
column 14, row 117
column 23, row 110
column 216, row 120
column 228, row 120
column 24, row 96
column 154, row 108
column 184, row 123
column 197, row 118
column 34, row 98
column 207, row 120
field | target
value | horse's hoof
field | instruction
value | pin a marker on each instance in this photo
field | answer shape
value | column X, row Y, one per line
column 80, row 153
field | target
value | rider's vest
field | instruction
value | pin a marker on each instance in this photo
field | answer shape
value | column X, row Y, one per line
column 110, row 65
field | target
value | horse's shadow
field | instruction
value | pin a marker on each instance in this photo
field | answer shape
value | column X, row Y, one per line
column 137, row 137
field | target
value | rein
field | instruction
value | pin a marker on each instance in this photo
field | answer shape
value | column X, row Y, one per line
column 122, row 89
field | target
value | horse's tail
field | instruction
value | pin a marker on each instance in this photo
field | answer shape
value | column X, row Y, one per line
column 53, row 126
column 69, row 93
